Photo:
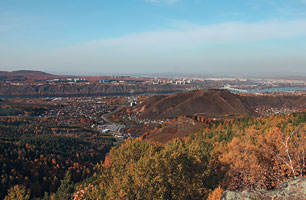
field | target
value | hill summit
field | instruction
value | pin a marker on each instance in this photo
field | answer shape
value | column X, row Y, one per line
column 209, row 103
column 24, row 73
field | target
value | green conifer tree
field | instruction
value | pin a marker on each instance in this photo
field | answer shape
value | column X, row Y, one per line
column 66, row 188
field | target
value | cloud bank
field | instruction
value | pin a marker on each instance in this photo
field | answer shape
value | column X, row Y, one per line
column 232, row 46
column 225, row 33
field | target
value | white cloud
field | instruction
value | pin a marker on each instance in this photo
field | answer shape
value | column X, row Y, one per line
column 190, row 34
column 188, row 47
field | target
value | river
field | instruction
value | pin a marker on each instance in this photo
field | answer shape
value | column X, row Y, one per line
column 280, row 89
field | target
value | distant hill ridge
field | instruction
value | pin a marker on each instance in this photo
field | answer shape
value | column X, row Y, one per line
column 218, row 104
column 214, row 103
column 26, row 76
column 24, row 72
column 210, row 103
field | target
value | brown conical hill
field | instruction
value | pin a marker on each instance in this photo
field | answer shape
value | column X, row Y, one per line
column 209, row 103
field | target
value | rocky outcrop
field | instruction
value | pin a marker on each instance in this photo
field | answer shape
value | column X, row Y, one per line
column 81, row 90
column 294, row 189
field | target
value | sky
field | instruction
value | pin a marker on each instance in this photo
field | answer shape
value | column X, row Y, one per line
column 130, row 37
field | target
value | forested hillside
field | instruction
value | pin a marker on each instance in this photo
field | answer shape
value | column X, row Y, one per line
column 37, row 151
column 55, row 158
column 232, row 154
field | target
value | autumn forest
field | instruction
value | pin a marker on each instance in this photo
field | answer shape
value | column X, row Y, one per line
column 45, row 157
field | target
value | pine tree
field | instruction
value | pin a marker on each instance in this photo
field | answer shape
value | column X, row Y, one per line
column 66, row 188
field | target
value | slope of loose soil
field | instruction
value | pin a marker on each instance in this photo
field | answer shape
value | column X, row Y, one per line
column 210, row 103
column 179, row 129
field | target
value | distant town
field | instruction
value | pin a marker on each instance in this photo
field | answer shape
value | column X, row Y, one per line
column 32, row 83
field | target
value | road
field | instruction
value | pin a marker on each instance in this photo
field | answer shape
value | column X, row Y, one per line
column 114, row 128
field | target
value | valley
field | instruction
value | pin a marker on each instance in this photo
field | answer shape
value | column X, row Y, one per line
column 78, row 135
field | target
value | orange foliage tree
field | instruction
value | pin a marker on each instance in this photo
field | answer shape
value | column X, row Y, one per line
column 264, row 160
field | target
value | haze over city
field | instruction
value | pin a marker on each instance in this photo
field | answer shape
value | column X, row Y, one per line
column 154, row 36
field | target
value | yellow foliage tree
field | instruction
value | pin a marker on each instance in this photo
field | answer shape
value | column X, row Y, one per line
column 18, row 192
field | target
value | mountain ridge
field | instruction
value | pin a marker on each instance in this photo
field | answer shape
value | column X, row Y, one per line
column 211, row 103
column 25, row 72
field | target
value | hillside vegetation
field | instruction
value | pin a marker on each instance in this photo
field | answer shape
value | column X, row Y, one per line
column 238, row 154
column 37, row 152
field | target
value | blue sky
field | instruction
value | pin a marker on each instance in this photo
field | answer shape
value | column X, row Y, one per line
column 97, row 37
